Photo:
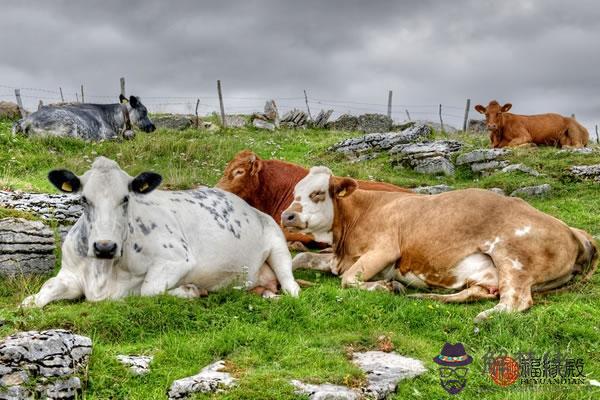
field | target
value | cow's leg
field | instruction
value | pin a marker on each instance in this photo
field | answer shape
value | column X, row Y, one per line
column 515, row 291
column 366, row 267
column 188, row 291
column 522, row 138
column 63, row 286
column 316, row 261
column 164, row 277
column 280, row 262
column 472, row 293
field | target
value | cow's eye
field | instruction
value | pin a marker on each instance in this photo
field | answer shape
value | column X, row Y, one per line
column 317, row 196
column 125, row 199
column 84, row 200
column 238, row 172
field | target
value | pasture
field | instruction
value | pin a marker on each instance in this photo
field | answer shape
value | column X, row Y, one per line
column 267, row 343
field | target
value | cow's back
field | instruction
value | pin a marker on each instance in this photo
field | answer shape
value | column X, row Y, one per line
column 543, row 128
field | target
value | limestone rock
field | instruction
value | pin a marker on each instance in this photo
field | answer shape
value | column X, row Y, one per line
column 50, row 357
column 325, row 391
column 578, row 150
column 427, row 149
column 586, row 172
column 481, row 155
column 488, row 166
column 235, row 121
column 260, row 124
column 370, row 123
column 385, row 370
column 209, row 380
column 521, row 168
column 271, row 112
column 436, row 189
column 477, row 126
column 26, row 247
column 432, row 166
column 138, row 365
column 64, row 208
column 321, row 119
column 177, row 122
column 345, row 122
column 532, row 191
column 294, row 119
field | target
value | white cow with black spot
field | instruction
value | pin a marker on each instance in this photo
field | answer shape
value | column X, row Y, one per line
column 134, row 240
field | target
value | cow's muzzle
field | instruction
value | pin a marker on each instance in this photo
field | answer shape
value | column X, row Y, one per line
column 291, row 219
column 105, row 249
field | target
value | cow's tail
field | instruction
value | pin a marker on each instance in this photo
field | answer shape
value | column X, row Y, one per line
column 577, row 133
column 587, row 262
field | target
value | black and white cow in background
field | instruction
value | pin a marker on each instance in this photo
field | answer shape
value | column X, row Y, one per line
column 134, row 240
column 86, row 121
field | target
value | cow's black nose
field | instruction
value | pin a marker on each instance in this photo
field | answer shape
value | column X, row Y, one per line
column 105, row 249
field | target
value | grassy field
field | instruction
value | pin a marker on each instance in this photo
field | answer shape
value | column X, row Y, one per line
column 267, row 343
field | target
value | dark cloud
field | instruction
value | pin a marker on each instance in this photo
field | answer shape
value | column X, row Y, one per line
column 540, row 55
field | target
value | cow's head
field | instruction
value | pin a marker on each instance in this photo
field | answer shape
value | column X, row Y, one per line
column 493, row 114
column 138, row 113
column 241, row 174
column 105, row 195
column 312, row 210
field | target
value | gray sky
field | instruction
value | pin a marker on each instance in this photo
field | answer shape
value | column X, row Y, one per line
column 542, row 56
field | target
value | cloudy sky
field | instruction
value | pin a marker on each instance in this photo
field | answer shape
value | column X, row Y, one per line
column 542, row 56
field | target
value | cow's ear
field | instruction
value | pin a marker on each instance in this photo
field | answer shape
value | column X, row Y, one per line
column 480, row 109
column 134, row 101
column 123, row 99
column 64, row 180
column 343, row 187
column 506, row 107
column 145, row 182
column 255, row 164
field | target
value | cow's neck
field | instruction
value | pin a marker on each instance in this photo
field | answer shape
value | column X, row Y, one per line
column 277, row 182
column 348, row 214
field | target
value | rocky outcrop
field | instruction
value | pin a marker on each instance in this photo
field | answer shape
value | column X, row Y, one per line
column 26, row 247
column 532, row 191
column 477, row 126
column 43, row 364
column 591, row 172
column 138, row 365
column 210, row 380
column 64, row 208
column 326, row 391
column 488, row 161
column 178, row 122
column 294, row 119
column 345, row 122
column 235, row 121
column 427, row 157
column 262, row 124
column 322, row 118
column 371, row 123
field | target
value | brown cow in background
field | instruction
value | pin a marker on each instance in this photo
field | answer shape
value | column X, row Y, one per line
column 511, row 130
column 268, row 185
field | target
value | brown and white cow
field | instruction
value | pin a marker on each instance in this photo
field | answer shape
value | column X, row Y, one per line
column 268, row 185
column 481, row 243
column 511, row 130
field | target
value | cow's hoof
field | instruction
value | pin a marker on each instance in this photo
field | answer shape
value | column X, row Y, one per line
column 292, row 288
column 29, row 302
column 267, row 294
column 398, row 288
column 297, row 246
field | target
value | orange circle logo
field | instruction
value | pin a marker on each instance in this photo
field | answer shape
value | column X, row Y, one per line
column 504, row 371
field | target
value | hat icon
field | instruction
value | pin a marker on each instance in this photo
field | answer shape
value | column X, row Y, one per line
column 453, row 355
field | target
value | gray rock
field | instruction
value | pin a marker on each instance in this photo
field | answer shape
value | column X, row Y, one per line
column 438, row 127
column 177, row 122
column 321, row 119
column 532, row 191
column 138, row 365
column 209, row 380
column 385, row 370
column 521, row 168
column 578, row 150
column 586, row 172
column 64, row 208
column 427, row 149
column 26, row 247
column 271, row 112
column 235, row 121
column 477, row 126
column 325, row 391
column 436, row 189
column 345, row 122
column 488, row 166
column 260, row 124
column 294, row 118
column 370, row 123
column 498, row 191
column 432, row 166
column 50, row 359
column 481, row 155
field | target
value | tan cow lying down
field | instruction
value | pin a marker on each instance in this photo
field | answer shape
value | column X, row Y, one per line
column 481, row 243
column 510, row 130
column 268, row 185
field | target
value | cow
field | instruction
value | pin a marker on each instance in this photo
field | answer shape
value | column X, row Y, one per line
column 512, row 130
column 134, row 240
column 473, row 240
column 268, row 185
column 87, row 121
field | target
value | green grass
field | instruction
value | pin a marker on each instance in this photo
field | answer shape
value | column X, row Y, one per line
column 267, row 343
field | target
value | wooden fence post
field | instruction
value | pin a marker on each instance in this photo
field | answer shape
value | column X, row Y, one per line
column 19, row 102
column 389, row 110
column 76, row 97
column 307, row 107
column 407, row 114
column 597, row 137
column 466, row 120
column 62, row 98
column 122, row 82
column 441, row 120
column 82, row 98
column 224, row 124
column 197, row 104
